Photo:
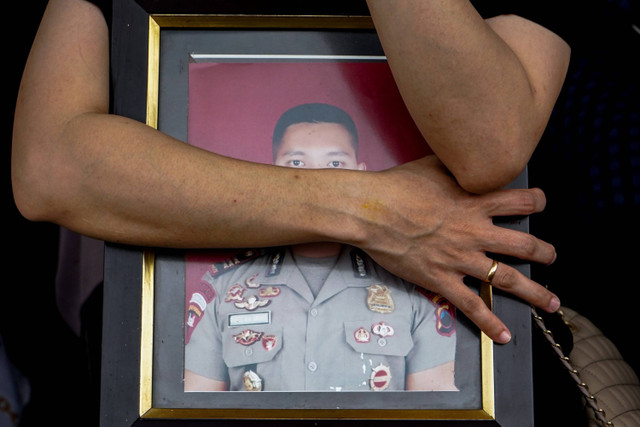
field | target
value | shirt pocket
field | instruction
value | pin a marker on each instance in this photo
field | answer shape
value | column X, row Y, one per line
column 378, row 338
column 250, row 346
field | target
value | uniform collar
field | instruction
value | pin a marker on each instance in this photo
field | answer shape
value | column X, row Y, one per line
column 353, row 269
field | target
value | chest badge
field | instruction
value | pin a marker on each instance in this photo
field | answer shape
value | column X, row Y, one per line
column 251, row 281
column 247, row 337
column 361, row 335
column 235, row 293
column 251, row 303
column 379, row 299
column 382, row 329
column 251, row 381
column 269, row 342
column 269, row 292
column 380, row 377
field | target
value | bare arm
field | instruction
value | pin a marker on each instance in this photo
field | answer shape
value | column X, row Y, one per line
column 480, row 91
column 439, row 378
column 118, row 180
column 195, row 382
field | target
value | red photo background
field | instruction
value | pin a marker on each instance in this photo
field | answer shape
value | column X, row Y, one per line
column 233, row 108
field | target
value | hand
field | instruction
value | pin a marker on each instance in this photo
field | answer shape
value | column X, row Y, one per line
column 424, row 228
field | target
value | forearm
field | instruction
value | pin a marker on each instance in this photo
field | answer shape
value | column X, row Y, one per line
column 116, row 179
column 480, row 91
column 119, row 180
column 122, row 181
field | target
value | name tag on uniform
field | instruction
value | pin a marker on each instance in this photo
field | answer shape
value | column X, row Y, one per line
column 246, row 319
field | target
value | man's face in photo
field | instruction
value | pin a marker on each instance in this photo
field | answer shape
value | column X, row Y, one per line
column 318, row 146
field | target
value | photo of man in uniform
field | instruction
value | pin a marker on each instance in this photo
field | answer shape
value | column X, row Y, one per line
column 317, row 316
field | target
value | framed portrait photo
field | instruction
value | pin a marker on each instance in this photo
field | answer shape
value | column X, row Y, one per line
column 233, row 336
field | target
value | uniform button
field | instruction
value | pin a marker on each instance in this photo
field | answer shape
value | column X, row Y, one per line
column 314, row 312
column 382, row 342
column 312, row 366
column 248, row 351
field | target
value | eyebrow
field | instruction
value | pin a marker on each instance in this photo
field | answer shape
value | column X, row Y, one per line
column 330, row 153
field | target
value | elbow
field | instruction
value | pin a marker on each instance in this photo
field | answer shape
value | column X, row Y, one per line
column 488, row 175
column 491, row 156
column 481, row 182
column 28, row 198
column 496, row 165
column 31, row 183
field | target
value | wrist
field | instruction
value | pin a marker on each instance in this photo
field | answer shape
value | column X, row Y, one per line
column 341, row 205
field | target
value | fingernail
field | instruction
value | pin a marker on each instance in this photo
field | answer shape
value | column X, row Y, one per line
column 554, row 305
column 504, row 337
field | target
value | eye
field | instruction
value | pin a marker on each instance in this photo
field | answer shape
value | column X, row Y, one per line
column 296, row 163
column 335, row 164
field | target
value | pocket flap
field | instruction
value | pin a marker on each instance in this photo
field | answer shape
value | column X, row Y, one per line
column 379, row 338
column 250, row 346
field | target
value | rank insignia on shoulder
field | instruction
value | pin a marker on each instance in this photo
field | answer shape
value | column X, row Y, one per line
column 361, row 335
column 379, row 299
column 251, row 381
column 380, row 377
column 228, row 262
column 247, row 337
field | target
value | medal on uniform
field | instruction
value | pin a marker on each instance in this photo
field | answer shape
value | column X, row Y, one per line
column 269, row 292
column 251, row 381
column 251, row 281
column 382, row 329
column 379, row 299
column 234, row 293
column 252, row 303
column 362, row 335
column 247, row 337
column 380, row 377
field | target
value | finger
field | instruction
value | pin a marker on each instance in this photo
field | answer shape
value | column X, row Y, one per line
column 520, row 245
column 477, row 311
column 523, row 201
column 511, row 280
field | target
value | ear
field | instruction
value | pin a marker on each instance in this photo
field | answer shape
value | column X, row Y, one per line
column 362, row 166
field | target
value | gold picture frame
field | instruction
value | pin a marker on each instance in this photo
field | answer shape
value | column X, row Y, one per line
column 136, row 279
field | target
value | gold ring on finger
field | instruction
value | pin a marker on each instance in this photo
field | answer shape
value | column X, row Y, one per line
column 492, row 271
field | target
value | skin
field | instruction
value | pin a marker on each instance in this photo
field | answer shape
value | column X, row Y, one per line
column 317, row 146
column 484, row 103
column 322, row 146
column 118, row 180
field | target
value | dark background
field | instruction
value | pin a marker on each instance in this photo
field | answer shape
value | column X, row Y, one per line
column 588, row 164
column 37, row 340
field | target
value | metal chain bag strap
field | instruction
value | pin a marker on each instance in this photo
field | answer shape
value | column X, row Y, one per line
column 597, row 362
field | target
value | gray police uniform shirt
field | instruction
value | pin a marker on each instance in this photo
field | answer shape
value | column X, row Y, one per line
column 365, row 330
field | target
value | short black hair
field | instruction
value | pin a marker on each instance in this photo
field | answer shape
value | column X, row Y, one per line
column 314, row 112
